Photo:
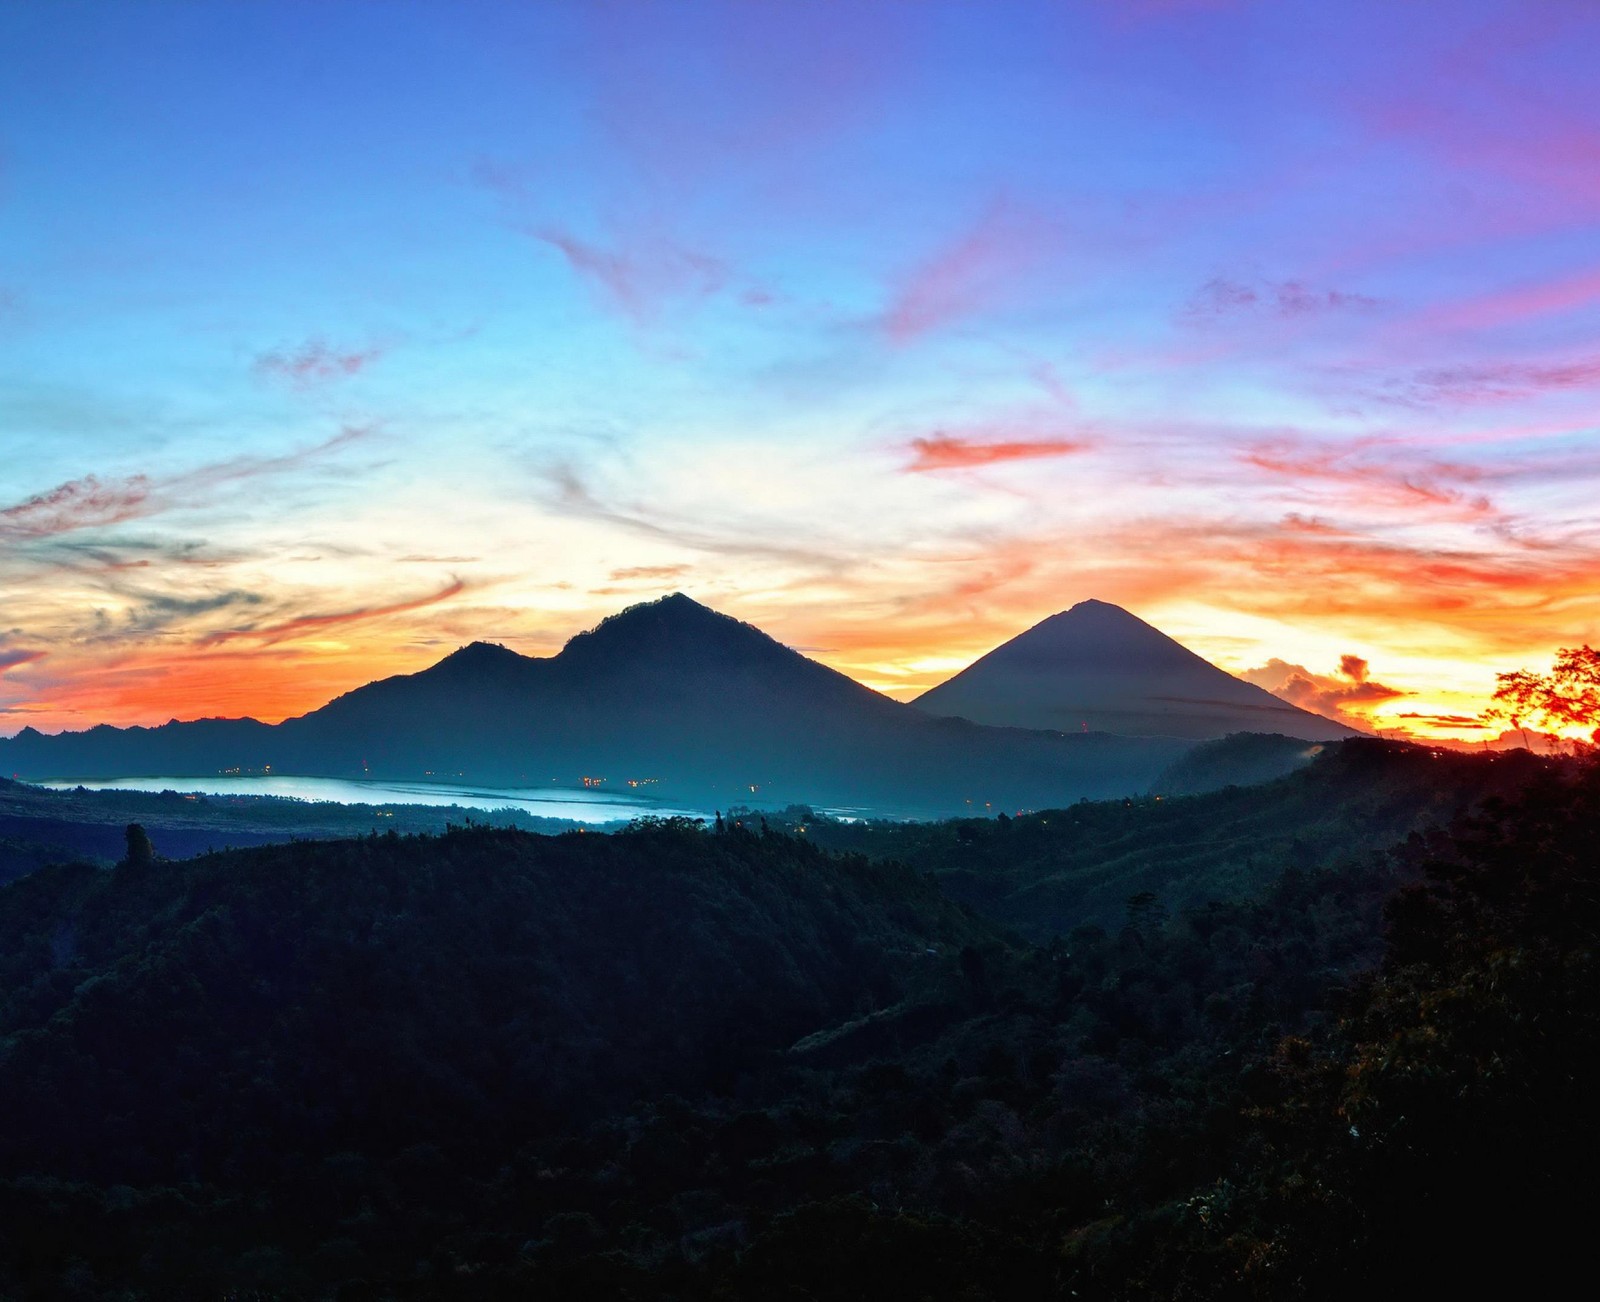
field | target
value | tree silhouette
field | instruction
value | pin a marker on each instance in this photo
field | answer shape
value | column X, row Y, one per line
column 1567, row 696
column 141, row 853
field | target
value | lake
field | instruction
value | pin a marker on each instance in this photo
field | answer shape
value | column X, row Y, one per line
column 542, row 802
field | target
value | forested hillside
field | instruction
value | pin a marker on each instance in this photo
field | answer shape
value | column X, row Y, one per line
column 684, row 1063
column 1047, row 872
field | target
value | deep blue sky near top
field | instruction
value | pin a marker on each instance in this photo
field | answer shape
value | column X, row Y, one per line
column 333, row 335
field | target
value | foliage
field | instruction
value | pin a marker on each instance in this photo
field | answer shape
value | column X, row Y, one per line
column 677, row 1063
column 1441, row 1139
column 141, row 852
column 1566, row 697
column 1046, row 872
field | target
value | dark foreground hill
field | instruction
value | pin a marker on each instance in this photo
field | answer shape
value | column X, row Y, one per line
column 495, row 1065
column 1098, row 667
column 696, row 705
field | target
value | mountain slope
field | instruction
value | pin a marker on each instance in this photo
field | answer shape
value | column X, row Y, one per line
column 1097, row 667
column 1046, row 873
column 691, row 703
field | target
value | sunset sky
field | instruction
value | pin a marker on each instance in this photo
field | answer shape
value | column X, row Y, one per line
column 333, row 336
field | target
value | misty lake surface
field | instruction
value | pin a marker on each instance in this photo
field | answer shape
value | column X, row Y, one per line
column 542, row 802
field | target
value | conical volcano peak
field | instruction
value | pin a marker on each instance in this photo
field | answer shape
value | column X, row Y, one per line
column 1093, row 633
column 1106, row 612
column 1097, row 666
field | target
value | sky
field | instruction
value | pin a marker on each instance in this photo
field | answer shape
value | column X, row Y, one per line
column 336, row 335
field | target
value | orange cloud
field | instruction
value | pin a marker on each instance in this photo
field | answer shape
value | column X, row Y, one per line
column 950, row 452
column 1337, row 698
column 662, row 572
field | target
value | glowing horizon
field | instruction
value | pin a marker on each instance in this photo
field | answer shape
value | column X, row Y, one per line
column 335, row 337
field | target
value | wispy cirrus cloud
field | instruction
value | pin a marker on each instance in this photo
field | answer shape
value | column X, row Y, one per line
column 1514, row 305
column 731, row 535
column 1223, row 298
column 639, row 279
column 78, row 504
column 1368, row 478
column 1478, row 384
column 93, row 502
column 638, row 268
column 314, row 363
column 281, row 631
column 146, row 614
column 973, row 273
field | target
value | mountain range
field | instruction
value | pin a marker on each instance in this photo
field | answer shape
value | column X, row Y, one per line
column 692, row 705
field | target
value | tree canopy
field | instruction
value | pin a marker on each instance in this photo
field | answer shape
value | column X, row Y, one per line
column 1566, row 697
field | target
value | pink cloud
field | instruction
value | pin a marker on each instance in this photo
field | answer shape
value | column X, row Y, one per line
column 639, row 280
column 91, row 502
column 966, row 277
column 78, row 504
column 1496, row 103
column 1488, row 383
column 1517, row 304
column 315, row 362
column 1368, row 482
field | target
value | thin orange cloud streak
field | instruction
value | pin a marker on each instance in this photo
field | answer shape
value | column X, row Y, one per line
column 946, row 452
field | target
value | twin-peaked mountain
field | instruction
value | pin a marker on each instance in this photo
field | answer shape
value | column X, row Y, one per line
column 711, row 709
column 1098, row 668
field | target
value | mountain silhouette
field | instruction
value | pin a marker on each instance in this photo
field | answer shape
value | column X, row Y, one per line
column 1097, row 666
column 690, row 704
